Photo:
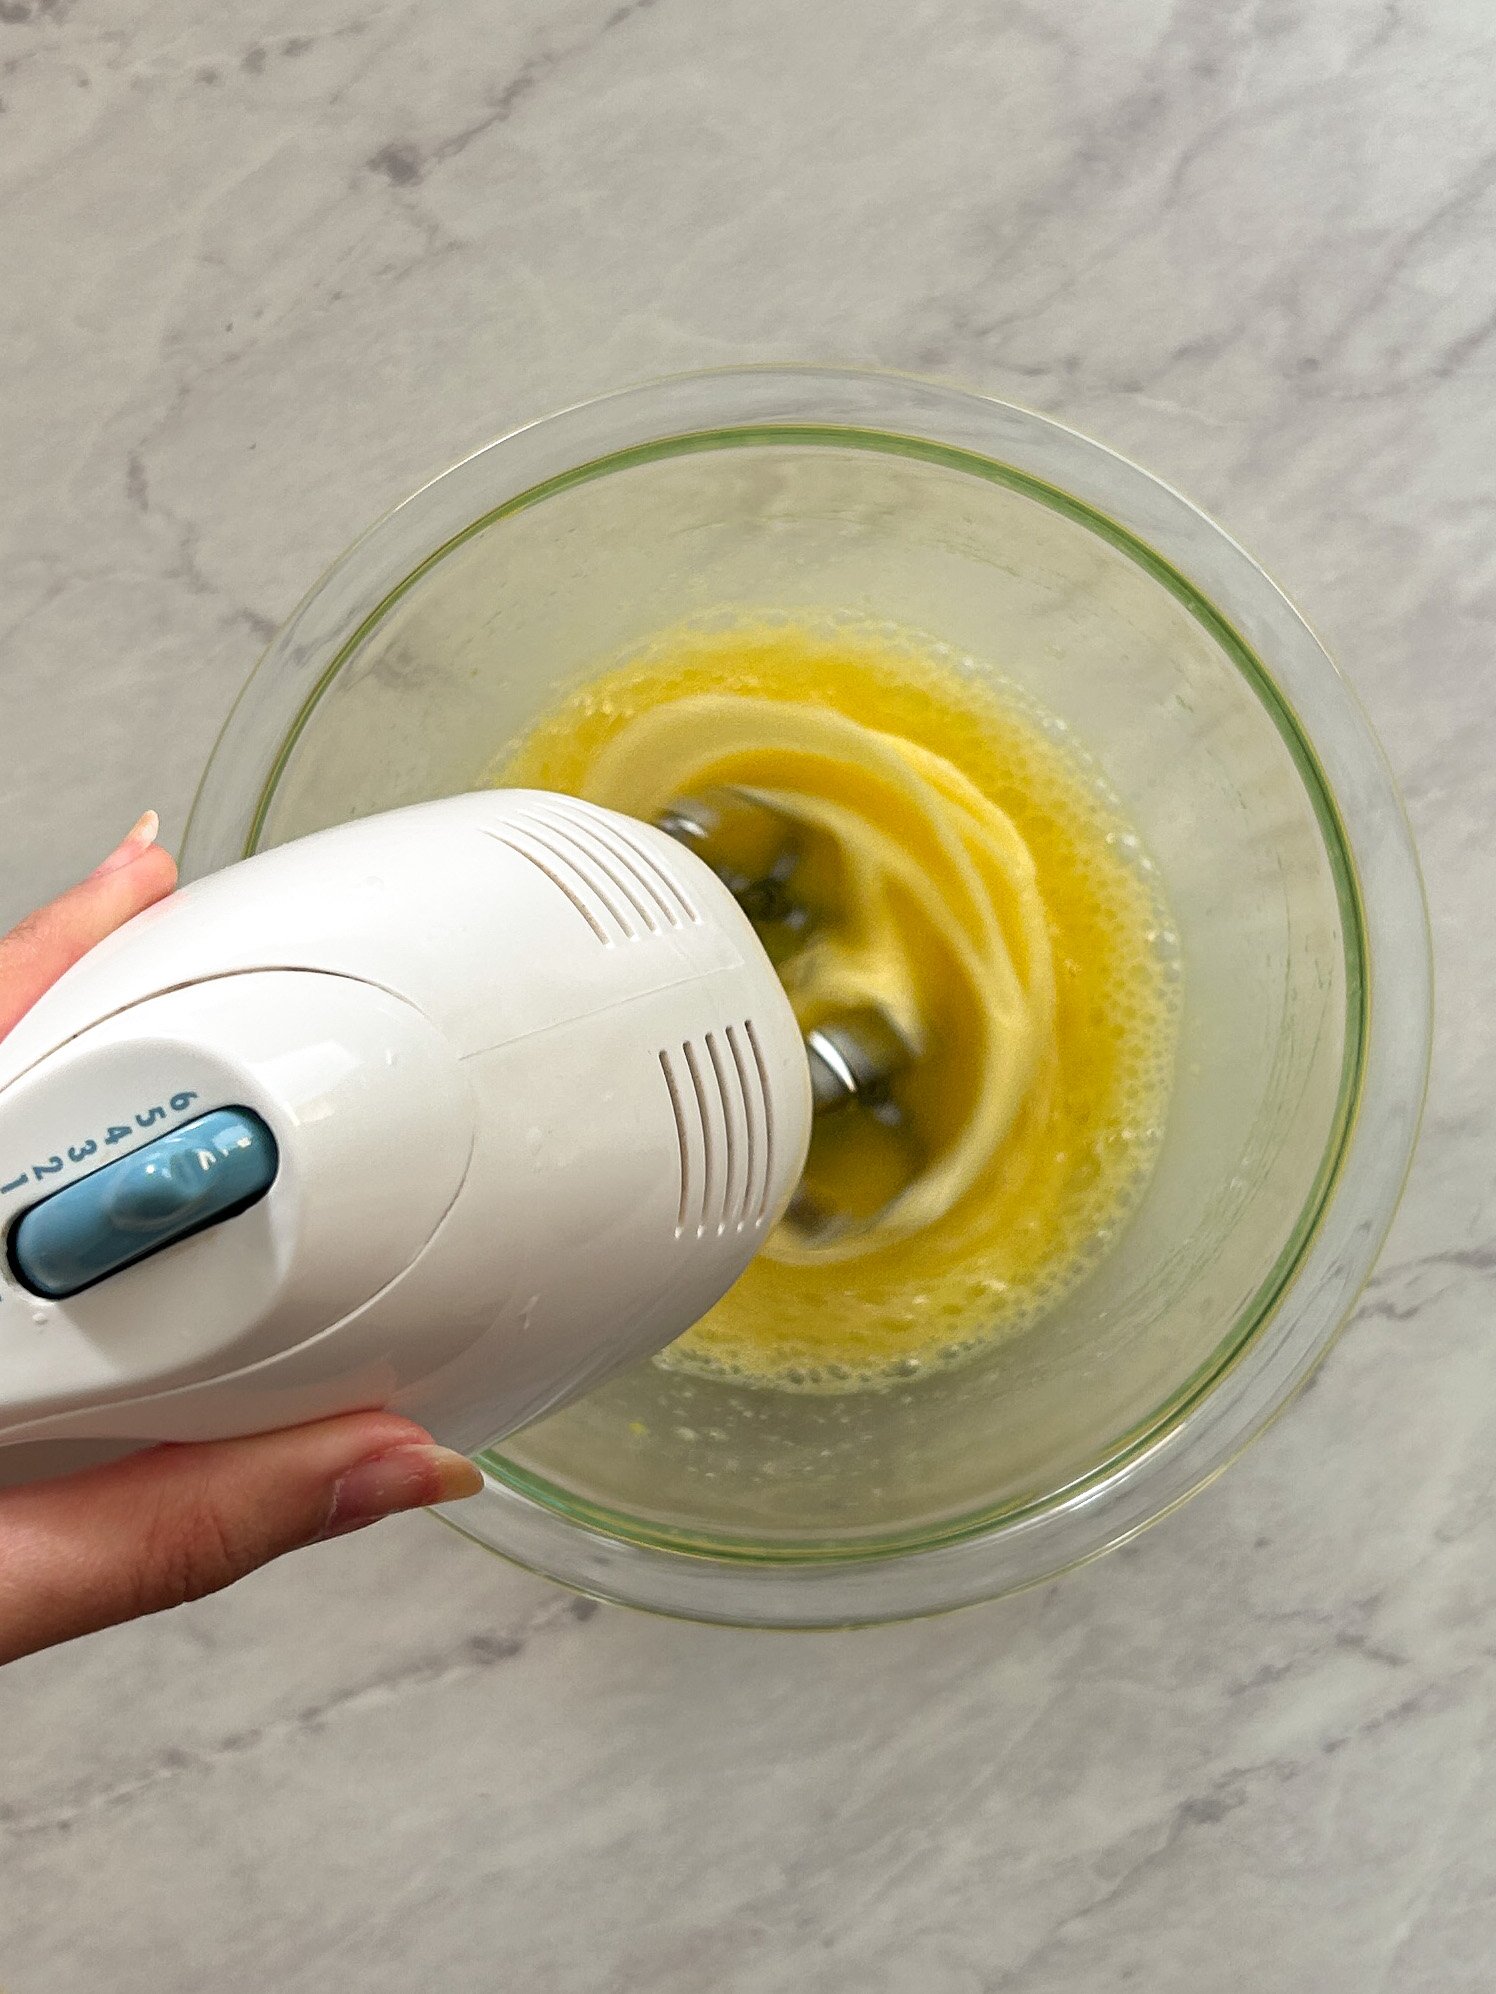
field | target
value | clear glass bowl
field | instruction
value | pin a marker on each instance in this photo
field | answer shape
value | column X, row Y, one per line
column 1242, row 759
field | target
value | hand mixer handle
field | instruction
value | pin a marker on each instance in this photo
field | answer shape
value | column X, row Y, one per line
column 205, row 1181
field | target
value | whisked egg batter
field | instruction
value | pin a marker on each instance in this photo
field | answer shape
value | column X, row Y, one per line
column 966, row 874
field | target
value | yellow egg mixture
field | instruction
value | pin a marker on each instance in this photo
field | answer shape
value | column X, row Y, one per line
column 971, row 879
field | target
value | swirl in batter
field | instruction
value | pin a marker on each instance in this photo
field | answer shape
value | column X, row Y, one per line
column 964, row 872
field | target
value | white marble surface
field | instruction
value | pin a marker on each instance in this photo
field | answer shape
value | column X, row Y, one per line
column 264, row 268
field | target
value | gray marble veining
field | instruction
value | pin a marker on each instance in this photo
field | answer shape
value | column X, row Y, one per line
column 264, row 269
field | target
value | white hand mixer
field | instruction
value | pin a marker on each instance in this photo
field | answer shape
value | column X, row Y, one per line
column 454, row 1110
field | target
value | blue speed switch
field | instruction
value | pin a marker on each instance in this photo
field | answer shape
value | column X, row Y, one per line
column 205, row 1171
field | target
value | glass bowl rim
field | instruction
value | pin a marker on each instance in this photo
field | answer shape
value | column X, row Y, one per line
column 1190, row 1438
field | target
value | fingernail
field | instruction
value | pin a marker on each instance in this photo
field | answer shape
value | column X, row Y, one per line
column 404, row 1478
column 141, row 836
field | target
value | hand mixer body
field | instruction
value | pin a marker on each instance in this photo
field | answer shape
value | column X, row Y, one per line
column 453, row 1110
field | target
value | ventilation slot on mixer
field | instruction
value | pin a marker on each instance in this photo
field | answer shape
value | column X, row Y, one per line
column 614, row 881
column 563, row 876
column 719, row 1096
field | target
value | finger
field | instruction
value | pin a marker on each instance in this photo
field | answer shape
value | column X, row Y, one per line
column 32, row 957
column 173, row 1523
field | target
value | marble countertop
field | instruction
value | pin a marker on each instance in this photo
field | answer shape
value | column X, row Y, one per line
column 264, row 269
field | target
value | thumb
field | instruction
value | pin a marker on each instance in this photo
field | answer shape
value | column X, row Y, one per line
column 175, row 1522
column 136, row 874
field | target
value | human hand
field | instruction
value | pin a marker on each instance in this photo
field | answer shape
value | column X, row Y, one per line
column 174, row 1522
